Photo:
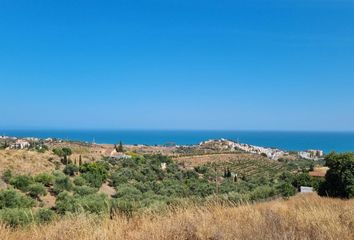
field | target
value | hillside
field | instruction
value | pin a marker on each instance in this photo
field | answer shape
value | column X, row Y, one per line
column 83, row 191
column 301, row 217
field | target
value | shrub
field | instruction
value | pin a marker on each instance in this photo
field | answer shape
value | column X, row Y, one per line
column 84, row 190
column 61, row 184
column 129, row 193
column 94, row 173
column 122, row 176
column 58, row 151
column 201, row 188
column 15, row 217
column 201, row 169
column 287, row 190
column 94, row 203
column 44, row 178
column 262, row 192
column 71, row 169
column 10, row 198
column 93, row 179
column 236, row 197
column 7, row 175
column 95, row 167
column 58, row 174
column 21, row 182
column 66, row 203
column 174, row 188
column 44, row 215
column 36, row 189
column 303, row 179
column 79, row 181
column 124, row 207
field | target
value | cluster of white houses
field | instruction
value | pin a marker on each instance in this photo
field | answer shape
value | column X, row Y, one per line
column 272, row 153
column 311, row 154
column 19, row 143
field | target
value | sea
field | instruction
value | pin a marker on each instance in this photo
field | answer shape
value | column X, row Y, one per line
column 285, row 140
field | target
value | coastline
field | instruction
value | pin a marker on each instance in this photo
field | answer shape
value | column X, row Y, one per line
column 283, row 140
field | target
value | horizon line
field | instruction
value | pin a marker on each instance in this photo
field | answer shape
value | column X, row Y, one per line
column 171, row 129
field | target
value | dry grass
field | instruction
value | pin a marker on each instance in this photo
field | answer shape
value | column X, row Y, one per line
column 301, row 217
column 26, row 162
column 32, row 162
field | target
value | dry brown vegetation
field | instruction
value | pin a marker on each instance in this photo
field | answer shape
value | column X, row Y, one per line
column 26, row 162
column 301, row 217
column 33, row 162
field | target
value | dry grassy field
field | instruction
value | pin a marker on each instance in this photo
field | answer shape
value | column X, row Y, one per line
column 301, row 217
column 33, row 162
column 26, row 162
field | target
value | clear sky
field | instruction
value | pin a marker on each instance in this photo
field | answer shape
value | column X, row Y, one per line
column 174, row 64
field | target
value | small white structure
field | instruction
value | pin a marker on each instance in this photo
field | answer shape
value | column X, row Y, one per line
column 120, row 156
column 163, row 166
column 20, row 144
column 306, row 189
column 311, row 154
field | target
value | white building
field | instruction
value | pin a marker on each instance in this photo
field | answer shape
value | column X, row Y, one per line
column 20, row 144
column 120, row 156
column 311, row 154
column 306, row 189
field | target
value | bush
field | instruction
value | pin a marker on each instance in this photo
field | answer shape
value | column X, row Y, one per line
column 287, row 190
column 84, row 190
column 10, row 198
column 95, row 167
column 21, row 182
column 7, row 175
column 262, row 192
column 93, row 179
column 128, row 193
column 303, row 179
column 236, row 197
column 94, row 203
column 174, row 188
column 62, row 184
column 201, row 169
column 201, row 188
column 94, row 173
column 66, row 203
column 71, row 169
column 122, row 176
column 44, row 178
column 36, row 189
column 44, row 215
column 80, row 181
column 124, row 207
column 16, row 217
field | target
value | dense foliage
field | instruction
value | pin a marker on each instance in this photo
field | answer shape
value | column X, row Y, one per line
column 340, row 176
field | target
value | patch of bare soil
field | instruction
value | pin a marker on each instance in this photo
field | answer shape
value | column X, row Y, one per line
column 105, row 188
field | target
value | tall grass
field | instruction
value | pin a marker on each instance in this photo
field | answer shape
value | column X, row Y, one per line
column 301, row 217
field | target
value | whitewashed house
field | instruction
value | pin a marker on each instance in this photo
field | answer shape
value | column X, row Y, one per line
column 20, row 144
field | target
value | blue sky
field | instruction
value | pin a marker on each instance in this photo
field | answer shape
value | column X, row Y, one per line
column 168, row 64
